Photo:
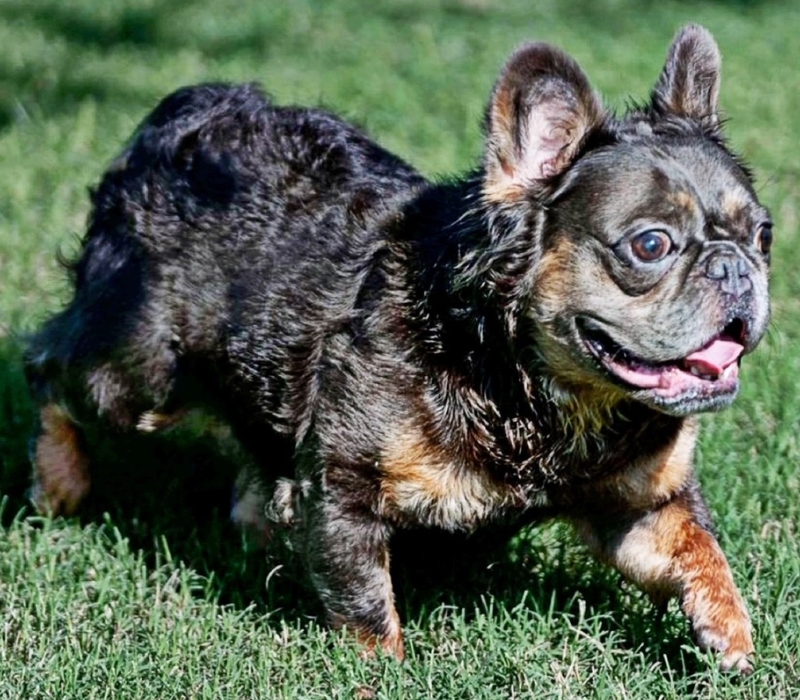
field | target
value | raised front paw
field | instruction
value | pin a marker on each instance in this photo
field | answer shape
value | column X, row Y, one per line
column 721, row 624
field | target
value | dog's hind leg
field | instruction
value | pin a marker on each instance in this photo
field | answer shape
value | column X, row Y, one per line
column 60, row 465
column 120, row 395
column 61, row 475
column 108, row 396
column 95, row 363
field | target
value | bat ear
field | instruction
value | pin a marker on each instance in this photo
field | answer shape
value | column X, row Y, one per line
column 541, row 109
column 689, row 83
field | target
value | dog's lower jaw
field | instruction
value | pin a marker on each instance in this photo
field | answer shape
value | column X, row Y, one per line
column 691, row 405
column 588, row 406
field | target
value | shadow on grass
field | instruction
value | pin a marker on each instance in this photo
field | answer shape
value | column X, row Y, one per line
column 16, row 419
column 542, row 569
column 176, row 492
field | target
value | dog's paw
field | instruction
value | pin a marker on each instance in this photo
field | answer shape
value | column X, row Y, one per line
column 739, row 662
column 62, row 492
column 389, row 641
column 729, row 635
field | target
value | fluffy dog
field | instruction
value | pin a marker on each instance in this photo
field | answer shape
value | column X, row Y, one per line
column 531, row 341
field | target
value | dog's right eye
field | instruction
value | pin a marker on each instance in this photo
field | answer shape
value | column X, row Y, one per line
column 651, row 246
column 764, row 238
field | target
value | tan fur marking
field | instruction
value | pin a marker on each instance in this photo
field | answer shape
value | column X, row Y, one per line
column 505, row 192
column 420, row 483
column 502, row 114
column 639, row 557
column 732, row 205
column 588, row 400
column 676, row 466
column 586, row 410
column 61, row 469
column 500, row 187
column 710, row 597
column 390, row 640
column 684, row 200
column 554, row 279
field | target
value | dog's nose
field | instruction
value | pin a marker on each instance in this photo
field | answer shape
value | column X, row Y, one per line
column 731, row 271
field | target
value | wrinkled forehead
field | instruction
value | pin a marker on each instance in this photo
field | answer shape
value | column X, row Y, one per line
column 692, row 175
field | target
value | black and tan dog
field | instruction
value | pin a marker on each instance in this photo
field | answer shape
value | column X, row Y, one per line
column 532, row 341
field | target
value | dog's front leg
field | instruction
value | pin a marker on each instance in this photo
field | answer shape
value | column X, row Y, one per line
column 671, row 551
column 346, row 552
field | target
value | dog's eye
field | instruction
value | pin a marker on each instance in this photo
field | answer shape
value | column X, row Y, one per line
column 651, row 246
column 764, row 238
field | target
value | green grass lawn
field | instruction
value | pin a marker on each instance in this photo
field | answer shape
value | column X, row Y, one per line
column 151, row 594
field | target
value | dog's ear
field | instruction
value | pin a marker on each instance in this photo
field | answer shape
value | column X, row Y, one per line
column 541, row 109
column 689, row 83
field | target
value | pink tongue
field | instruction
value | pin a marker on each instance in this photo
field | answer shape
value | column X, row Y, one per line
column 716, row 356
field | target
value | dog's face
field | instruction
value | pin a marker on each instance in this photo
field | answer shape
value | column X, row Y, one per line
column 654, row 278
column 651, row 270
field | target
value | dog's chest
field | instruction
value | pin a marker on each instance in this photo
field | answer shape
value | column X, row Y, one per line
column 421, row 484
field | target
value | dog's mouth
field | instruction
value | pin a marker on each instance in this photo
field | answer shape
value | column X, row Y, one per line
column 711, row 371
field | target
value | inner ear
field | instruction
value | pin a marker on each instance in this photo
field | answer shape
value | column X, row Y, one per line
column 689, row 83
column 541, row 110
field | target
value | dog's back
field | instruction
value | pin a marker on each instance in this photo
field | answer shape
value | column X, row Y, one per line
column 224, row 244
column 221, row 205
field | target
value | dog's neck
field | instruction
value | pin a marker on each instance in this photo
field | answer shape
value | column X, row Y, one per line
column 551, row 438
column 521, row 424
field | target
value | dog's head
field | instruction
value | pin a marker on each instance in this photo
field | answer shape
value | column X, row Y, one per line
column 634, row 248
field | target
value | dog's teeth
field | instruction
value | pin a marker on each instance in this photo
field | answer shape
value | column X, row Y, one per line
column 695, row 371
column 599, row 348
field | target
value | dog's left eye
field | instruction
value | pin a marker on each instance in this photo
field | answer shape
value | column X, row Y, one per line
column 651, row 246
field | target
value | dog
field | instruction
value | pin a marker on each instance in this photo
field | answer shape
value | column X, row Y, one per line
column 534, row 340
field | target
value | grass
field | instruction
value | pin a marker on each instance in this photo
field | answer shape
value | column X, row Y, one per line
column 151, row 594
